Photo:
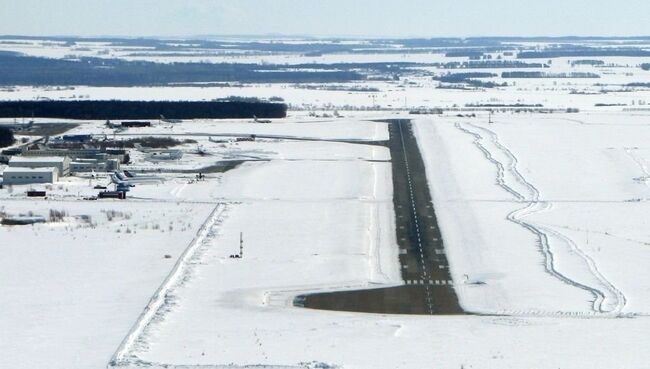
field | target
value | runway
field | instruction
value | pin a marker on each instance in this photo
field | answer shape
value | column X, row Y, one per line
column 428, row 286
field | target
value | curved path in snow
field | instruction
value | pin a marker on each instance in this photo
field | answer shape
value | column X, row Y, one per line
column 607, row 299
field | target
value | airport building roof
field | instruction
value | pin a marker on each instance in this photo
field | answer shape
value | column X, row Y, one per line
column 39, row 159
column 30, row 170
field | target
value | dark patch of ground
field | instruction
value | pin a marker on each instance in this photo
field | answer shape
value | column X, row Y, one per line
column 48, row 129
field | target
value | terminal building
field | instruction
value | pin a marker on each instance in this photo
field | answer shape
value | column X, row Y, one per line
column 86, row 153
column 18, row 175
column 60, row 163
column 97, row 165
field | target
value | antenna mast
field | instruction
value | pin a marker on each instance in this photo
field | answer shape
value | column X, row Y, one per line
column 241, row 244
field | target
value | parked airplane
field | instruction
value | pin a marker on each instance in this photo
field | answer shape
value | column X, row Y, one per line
column 131, row 179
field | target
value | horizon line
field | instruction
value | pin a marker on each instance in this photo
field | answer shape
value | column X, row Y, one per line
column 322, row 37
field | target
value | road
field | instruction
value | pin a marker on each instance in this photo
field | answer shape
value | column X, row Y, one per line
column 428, row 287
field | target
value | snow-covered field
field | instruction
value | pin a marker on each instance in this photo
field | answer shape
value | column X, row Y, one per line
column 413, row 90
column 308, row 210
column 547, row 211
column 390, row 95
column 317, row 215
column 295, row 127
column 70, row 290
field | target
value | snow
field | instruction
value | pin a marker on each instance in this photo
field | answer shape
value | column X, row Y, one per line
column 18, row 169
column 551, row 188
column 336, row 215
column 317, row 216
column 239, row 312
column 550, row 93
column 71, row 290
column 404, row 342
column 548, row 211
column 293, row 127
column 332, row 197
column 41, row 159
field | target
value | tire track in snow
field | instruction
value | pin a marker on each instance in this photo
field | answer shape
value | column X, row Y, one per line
column 642, row 165
column 601, row 233
column 611, row 305
column 607, row 298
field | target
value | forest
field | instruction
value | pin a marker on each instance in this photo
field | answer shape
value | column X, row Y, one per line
column 117, row 109
column 21, row 70
column 6, row 137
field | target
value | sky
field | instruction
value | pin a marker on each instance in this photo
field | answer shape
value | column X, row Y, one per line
column 367, row 18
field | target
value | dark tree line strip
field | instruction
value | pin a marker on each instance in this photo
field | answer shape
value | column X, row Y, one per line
column 115, row 109
column 33, row 71
column 6, row 137
column 548, row 75
column 582, row 52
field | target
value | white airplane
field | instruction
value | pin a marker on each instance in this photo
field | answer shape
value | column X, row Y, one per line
column 130, row 179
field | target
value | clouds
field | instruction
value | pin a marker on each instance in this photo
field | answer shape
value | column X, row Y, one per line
column 422, row 18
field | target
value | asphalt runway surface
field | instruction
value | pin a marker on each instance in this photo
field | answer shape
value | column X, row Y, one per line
column 428, row 287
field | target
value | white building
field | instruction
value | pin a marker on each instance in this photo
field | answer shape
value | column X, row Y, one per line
column 18, row 175
column 89, row 165
column 61, row 163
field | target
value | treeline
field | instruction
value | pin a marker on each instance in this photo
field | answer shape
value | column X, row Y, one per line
column 472, row 54
column 581, row 52
column 473, row 46
column 484, row 84
column 6, row 137
column 116, row 109
column 376, row 67
column 638, row 84
column 328, row 46
column 491, row 64
column 25, row 70
column 517, row 105
column 591, row 62
column 469, row 79
column 548, row 75
column 440, row 42
column 409, row 42
column 461, row 77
